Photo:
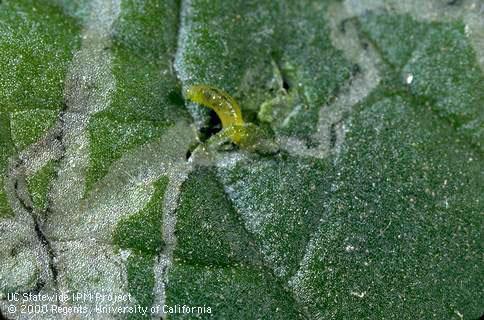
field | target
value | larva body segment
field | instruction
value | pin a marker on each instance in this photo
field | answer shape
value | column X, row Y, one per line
column 226, row 108
column 245, row 135
column 222, row 103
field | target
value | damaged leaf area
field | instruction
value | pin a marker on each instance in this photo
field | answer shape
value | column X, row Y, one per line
column 112, row 183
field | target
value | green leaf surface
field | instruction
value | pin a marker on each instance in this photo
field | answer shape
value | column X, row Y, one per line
column 438, row 64
column 112, row 182
column 36, row 44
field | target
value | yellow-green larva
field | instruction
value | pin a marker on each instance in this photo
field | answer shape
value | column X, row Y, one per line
column 226, row 108
column 246, row 135
column 221, row 102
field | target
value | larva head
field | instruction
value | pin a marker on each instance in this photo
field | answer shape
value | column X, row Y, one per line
column 196, row 94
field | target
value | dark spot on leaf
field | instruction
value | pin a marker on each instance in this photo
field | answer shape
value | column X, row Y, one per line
column 39, row 285
column 43, row 240
column 332, row 136
column 13, row 252
column 283, row 155
column 312, row 143
column 454, row 3
column 342, row 25
column 190, row 150
column 58, row 136
column 285, row 84
column 355, row 69
column 212, row 128
column 176, row 98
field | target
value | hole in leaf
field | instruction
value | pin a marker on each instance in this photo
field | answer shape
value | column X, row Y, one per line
column 191, row 147
column 342, row 25
column 176, row 98
column 188, row 154
column 332, row 136
column 285, row 84
column 455, row 3
column 355, row 69
column 212, row 128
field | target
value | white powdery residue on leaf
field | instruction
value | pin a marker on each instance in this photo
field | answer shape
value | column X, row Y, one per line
column 90, row 68
column 271, row 213
column 127, row 187
column 330, row 116
column 183, row 41
column 165, row 261
column 91, row 267
column 240, row 193
column 435, row 10
column 474, row 29
column 23, row 259
column 316, row 254
column 124, row 254
column 229, row 161
column 330, row 123
column 297, row 282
